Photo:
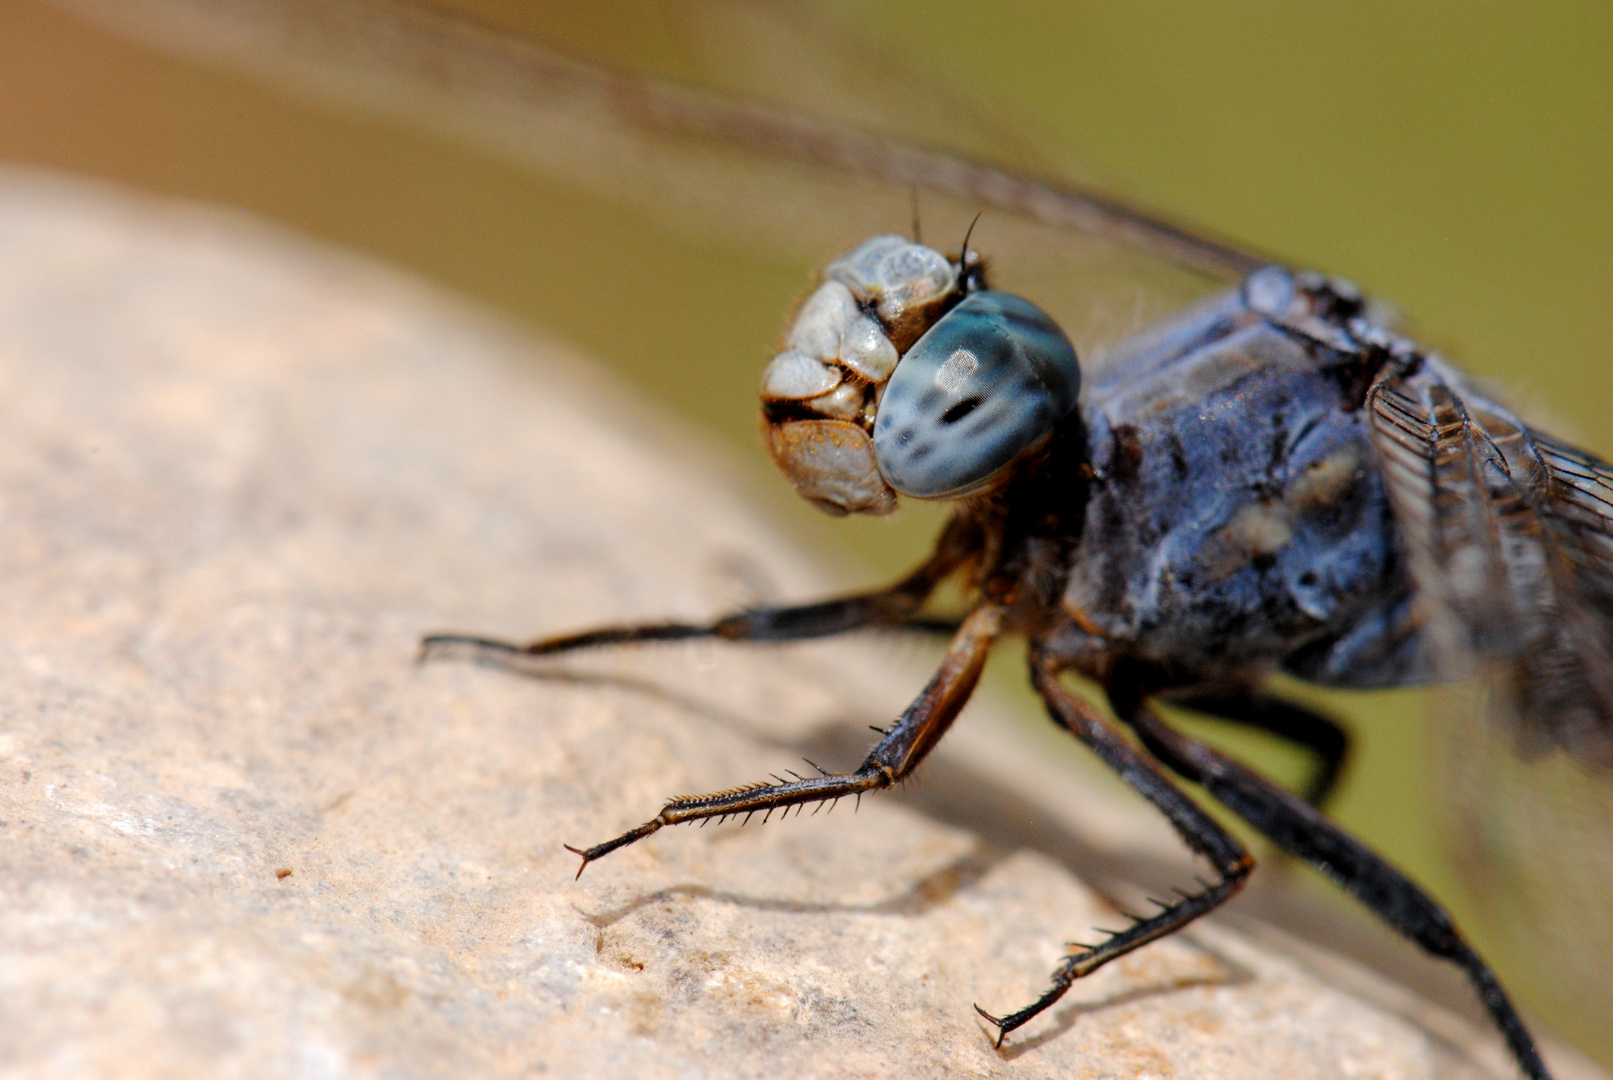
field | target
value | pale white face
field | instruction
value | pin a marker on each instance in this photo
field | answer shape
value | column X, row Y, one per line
column 893, row 381
column 822, row 391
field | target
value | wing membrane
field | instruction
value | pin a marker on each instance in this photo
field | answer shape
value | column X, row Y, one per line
column 427, row 63
column 1509, row 535
column 695, row 148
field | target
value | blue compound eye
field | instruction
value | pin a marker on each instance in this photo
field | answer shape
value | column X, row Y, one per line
column 979, row 389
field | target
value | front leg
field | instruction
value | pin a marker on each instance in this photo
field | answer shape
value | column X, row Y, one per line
column 894, row 607
column 896, row 756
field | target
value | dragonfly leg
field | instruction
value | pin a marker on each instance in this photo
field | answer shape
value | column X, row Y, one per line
column 895, row 607
column 1326, row 740
column 1301, row 830
column 890, row 762
column 1201, row 833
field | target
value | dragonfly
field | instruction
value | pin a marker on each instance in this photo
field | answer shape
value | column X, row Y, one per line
column 1481, row 541
column 1268, row 482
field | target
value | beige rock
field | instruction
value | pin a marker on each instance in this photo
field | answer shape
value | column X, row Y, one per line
column 243, row 835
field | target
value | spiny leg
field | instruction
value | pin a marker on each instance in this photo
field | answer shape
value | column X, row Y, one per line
column 895, row 607
column 1301, row 830
column 891, row 761
column 1200, row 831
column 1327, row 741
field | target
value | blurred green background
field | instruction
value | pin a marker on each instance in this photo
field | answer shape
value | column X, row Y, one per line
column 1454, row 158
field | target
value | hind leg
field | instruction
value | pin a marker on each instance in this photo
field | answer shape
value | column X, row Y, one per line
column 1327, row 741
column 1301, row 830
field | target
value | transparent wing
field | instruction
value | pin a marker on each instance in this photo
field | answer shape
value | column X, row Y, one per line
column 1509, row 533
column 1510, row 537
column 760, row 128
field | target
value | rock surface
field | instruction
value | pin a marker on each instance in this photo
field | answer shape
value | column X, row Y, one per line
column 243, row 835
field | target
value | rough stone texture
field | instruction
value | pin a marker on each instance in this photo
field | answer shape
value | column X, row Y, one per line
column 242, row 835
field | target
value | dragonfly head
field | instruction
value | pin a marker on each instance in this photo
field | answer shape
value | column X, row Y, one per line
column 902, row 374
